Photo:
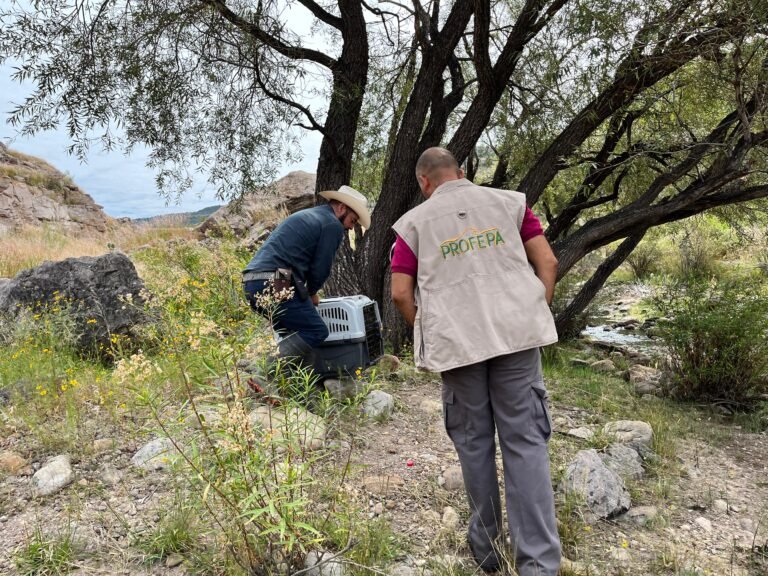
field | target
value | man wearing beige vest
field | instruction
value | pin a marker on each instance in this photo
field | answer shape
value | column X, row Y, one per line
column 474, row 275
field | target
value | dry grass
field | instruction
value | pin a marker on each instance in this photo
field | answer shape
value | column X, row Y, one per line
column 31, row 246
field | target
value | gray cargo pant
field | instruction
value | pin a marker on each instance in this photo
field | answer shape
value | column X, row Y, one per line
column 505, row 394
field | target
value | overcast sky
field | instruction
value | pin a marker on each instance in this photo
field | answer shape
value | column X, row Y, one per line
column 122, row 184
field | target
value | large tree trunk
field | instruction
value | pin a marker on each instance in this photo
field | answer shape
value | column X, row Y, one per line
column 350, row 77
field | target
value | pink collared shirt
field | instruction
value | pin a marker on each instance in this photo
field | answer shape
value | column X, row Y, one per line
column 404, row 261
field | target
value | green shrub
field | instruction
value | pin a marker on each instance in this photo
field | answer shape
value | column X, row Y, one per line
column 716, row 338
column 699, row 250
column 644, row 260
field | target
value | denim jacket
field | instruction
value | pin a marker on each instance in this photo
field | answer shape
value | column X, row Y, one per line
column 306, row 242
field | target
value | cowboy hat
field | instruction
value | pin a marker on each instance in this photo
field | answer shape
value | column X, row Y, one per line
column 352, row 199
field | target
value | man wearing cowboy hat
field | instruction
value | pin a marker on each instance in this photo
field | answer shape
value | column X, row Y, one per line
column 299, row 255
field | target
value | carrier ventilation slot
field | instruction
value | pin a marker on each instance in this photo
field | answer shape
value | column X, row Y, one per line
column 338, row 320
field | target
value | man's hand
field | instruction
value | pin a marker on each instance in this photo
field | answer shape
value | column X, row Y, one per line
column 403, row 286
column 315, row 299
column 544, row 263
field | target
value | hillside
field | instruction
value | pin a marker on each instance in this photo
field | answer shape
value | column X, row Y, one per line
column 32, row 192
column 180, row 218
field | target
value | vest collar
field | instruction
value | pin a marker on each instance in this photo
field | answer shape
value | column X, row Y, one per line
column 450, row 185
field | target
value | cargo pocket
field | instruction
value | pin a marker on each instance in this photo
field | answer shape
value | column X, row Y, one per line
column 455, row 423
column 541, row 422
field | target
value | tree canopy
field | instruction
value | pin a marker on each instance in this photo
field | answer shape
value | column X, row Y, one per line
column 611, row 116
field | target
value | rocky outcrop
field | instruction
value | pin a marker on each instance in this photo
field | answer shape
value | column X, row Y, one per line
column 254, row 216
column 33, row 192
column 103, row 295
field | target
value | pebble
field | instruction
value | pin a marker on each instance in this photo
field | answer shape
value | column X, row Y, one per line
column 703, row 523
column 720, row 506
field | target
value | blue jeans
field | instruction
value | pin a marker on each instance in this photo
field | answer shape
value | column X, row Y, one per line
column 293, row 315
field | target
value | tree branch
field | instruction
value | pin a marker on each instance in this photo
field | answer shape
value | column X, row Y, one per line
column 322, row 14
column 293, row 52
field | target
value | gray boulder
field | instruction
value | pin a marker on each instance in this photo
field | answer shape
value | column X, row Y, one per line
column 624, row 460
column 644, row 379
column 635, row 433
column 93, row 289
column 601, row 489
column 378, row 404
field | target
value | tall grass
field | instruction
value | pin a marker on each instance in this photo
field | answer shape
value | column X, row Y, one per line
column 30, row 246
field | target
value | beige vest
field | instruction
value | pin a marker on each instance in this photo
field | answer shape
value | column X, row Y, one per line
column 476, row 293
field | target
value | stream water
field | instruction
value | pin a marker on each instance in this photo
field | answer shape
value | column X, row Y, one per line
column 613, row 326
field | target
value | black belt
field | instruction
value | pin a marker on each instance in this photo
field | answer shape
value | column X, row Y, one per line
column 251, row 275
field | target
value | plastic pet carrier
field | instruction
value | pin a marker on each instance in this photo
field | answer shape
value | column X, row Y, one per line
column 355, row 339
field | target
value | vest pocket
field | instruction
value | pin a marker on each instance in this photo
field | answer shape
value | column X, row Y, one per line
column 453, row 418
column 541, row 422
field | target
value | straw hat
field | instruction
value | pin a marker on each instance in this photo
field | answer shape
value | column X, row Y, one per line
column 354, row 200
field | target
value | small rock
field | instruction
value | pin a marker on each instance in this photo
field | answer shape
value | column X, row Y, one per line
column 292, row 423
column 11, row 462
column 641, row 515
column 378, row 509
column 55, row 475
column 703, row 523
column 450, row 519
column 158, row 454
column 343, row 389
column 388, row 363
column 573, row 568
column 383, row 485
column 453, row 479
column 603, row 366
column 205, row 415
column 378, row 404
column 431, row 406
column 582, row 432
column 633, row 432
column 319, row 564
column 720, row 506
column 103, row 445
column 109, row 475
column 174, row 560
